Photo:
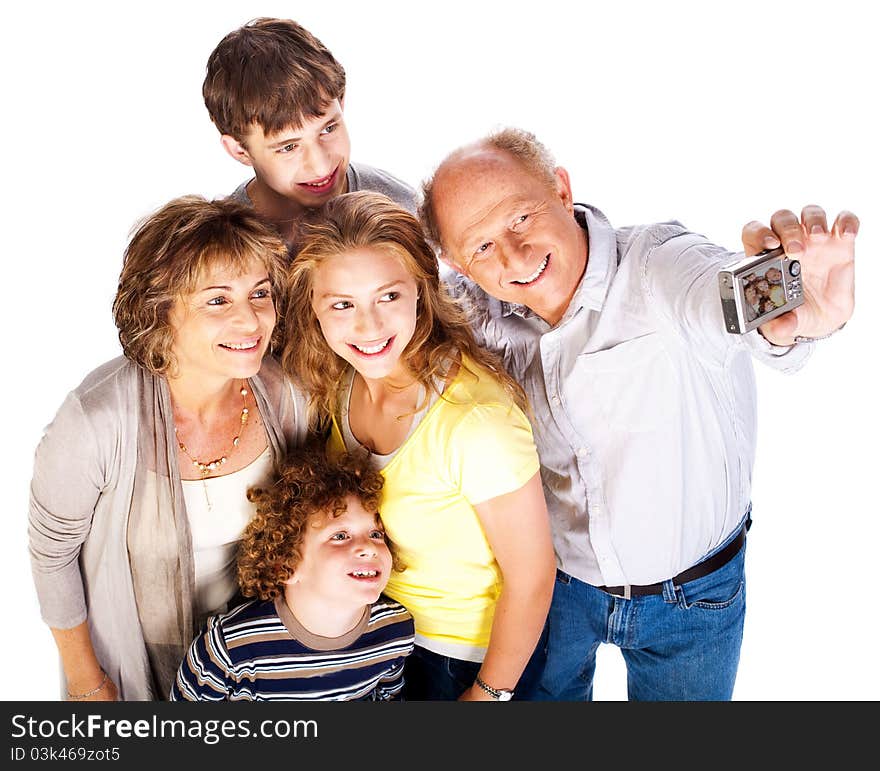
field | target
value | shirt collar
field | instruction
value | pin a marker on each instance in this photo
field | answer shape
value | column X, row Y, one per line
column 601, row 266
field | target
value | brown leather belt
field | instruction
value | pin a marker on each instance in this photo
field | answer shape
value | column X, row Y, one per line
column 717, row 560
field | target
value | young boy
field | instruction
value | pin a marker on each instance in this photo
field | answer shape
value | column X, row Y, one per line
column 316, row 557
column 276, row 94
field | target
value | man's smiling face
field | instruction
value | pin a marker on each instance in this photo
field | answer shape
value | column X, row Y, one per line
column 509, row 230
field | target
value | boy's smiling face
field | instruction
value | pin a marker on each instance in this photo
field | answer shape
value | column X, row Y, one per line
column 345, row 563
column 305, row 165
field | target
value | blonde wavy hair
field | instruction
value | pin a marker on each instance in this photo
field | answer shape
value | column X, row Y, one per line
column 169, row 252
column 442, row 332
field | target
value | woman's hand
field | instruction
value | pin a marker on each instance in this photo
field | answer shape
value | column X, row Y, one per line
column 517, row 527
column 105, row 691
column 475, row 693
column 86, row 680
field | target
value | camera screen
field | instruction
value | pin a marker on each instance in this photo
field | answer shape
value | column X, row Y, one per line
column 763, row 290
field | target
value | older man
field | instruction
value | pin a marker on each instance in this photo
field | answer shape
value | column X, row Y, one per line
column 644, row 404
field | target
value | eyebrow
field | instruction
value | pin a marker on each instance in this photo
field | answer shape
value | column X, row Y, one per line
column 229, row 288
column 349, row 296
column 335, row 117
column 471, row 233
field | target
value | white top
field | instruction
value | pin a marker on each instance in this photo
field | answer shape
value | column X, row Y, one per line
column 645, row 406
column 218, row 512
column 378, row 461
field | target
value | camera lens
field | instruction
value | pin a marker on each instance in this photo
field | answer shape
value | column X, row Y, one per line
column 794, row 268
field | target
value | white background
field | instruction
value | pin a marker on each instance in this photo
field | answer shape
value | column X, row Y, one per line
column 710, row 113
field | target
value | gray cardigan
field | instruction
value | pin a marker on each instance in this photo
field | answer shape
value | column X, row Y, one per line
column 109, row 535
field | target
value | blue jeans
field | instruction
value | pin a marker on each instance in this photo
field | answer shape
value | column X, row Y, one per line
column 428, row 676
column 681, row 645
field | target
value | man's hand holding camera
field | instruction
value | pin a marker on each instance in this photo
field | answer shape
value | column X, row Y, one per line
column 827, row 259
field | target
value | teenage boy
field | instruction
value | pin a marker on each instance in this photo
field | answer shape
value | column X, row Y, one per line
column 276, row 95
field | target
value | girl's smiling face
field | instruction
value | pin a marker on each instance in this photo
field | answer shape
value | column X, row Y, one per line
column 365, row 302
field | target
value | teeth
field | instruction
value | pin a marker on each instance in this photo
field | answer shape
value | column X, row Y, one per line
column 372, row 348
column 538, row 272
column 241, row 346
column 365, row 573
column 321, row 183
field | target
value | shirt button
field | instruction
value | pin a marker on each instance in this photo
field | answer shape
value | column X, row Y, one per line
column 555, row 400
column 583, row 452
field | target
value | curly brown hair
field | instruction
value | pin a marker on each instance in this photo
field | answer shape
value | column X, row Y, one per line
column 442, row 333
column 169, row 252
column 311, row 484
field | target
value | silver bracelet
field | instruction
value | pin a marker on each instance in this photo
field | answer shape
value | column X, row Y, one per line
column 499, row 694
column 801, row 339
column 78, row 696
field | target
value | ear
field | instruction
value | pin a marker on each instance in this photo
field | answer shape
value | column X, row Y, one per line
column 563, row 188
column 342, row 100
column 292, row 579
column 236, row 149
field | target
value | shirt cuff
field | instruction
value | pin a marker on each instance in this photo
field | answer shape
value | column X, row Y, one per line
column 786, row 358
column 61, row 596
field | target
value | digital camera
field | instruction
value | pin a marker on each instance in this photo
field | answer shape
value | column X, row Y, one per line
column 759, row 288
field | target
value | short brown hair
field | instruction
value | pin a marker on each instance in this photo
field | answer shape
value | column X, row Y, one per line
column 169, row 252
column 442, row 334
column 272, row 73
column 522, row 145
column 311, row 484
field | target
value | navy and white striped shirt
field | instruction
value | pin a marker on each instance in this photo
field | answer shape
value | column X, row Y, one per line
column 260, row 652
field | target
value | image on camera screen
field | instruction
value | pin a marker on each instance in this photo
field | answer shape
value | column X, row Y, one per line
column 763, row 290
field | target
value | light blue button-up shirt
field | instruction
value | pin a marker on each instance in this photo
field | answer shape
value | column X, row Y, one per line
column 644, row 405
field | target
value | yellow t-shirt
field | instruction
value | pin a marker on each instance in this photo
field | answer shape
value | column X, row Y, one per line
column 472, row 445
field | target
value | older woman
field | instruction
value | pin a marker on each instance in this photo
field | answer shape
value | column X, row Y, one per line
column 138, row 496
